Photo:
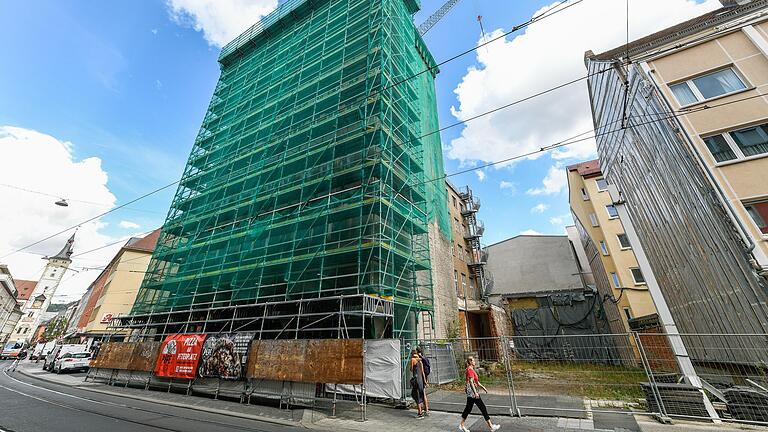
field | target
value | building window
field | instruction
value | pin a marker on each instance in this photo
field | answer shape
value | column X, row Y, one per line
column 604, row 248
column 472, row 288
column 602, row 184
column 461, row 253
column 637, row 275
column 593, row 219
column 624, row 241
column 463, row 283
column 456, row 225
column 708, row 86
column 584, row 194
column 612, row 213
column 759, row 213
column 456, row 282
column 627, row 313
column 739, row 144
column 454, row 202
column 615, row 277
column 453, row 249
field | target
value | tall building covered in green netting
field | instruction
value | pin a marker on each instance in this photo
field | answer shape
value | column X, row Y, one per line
column 304, row 207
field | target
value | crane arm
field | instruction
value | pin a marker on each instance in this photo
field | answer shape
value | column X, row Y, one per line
column 436, row 17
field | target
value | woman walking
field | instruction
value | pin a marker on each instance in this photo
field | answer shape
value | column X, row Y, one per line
column 418, row 384
column 473, row 397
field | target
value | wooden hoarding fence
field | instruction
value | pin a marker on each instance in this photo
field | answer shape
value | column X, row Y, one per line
column 330, row 361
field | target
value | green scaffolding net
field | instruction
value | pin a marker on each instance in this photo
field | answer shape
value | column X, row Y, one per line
column 311, row 176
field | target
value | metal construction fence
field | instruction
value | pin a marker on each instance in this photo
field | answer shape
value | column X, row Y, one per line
column 577, row 375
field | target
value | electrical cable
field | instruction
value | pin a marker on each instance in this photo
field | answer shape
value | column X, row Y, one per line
column 441, row 129
column 93, row 218
column 19, row 188
column 542, row 16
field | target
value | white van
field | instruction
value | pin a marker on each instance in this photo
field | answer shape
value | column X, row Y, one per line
column 60, row 350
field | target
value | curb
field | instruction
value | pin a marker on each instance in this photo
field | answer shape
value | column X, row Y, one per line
column 176, row 404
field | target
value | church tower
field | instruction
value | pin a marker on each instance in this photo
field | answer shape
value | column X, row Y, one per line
column 41, row 297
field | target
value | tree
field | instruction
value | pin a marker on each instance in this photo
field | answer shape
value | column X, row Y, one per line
column 55, row 328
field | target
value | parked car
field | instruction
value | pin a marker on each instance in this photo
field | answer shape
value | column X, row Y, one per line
column 72, row 361
column 60, row 350
column 12, row 349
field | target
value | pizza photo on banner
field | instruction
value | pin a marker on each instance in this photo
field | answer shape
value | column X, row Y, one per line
column 179, row 356
column 224, row 356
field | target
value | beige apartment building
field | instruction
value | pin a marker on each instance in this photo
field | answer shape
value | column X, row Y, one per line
column 609, row 253
column 476, row 317
column 121, row 280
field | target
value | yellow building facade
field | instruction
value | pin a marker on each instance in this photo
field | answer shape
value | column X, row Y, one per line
column 604, row 240
column 123, row 279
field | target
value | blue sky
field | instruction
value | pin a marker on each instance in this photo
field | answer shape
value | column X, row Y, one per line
column 128, row 83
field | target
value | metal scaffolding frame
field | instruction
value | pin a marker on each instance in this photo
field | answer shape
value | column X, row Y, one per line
column 307, row 181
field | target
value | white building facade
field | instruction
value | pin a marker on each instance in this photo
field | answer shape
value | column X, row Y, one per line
column 9, row 307
column 40, row 299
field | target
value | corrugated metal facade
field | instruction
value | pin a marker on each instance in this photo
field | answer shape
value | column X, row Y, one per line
column 693, row 247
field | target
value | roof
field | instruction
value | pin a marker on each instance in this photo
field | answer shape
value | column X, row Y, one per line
column 527, row 265
column 66, row 252
column 587, row 169
column 686, row 28
column 146, row 243
column 24, row 288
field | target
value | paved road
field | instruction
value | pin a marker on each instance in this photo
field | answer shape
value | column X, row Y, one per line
column 31, row 405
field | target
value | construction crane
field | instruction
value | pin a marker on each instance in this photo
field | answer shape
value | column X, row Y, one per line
column 436, row 17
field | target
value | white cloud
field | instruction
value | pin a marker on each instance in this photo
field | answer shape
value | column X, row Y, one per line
column 128, row 224
column 506, row 185
column 539, row 208
column 562, row 219
column 549, row 53
column 555, row 181
column 39, row 162
column 154, row 31
column 219, row 20
column 529, row 232
column 480, row 175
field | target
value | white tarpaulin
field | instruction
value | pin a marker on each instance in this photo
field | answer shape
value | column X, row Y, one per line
column 382, row 371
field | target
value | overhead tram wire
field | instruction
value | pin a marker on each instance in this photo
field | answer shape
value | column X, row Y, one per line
column 546, row 14
column 19, row 188
column 543, row 92
column 160, row 189
column 662, row 115
column 122, row 240
column 412, row 140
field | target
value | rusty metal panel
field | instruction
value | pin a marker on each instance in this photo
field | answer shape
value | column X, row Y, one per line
column 326, row 361
column 114, row 355
column 144, row 356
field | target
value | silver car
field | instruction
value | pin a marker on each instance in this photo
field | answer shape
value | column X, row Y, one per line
column 72, row 362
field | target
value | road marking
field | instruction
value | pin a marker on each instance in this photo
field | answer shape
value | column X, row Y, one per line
column 116, row 405
column 62, row 394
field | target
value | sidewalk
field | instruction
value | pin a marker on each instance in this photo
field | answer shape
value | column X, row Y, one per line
column 385, row 418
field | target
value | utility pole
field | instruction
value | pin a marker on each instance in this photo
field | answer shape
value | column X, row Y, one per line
column 665, row 315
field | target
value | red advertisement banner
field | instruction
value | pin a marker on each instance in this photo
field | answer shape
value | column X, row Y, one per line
column 179, row 356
